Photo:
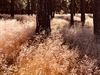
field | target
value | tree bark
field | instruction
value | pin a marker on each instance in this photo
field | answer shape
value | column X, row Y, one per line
column 1, row 4
column 43, row 17
column 33, row 7
column 72, row 12
column 96, row 17
column 12, row 8
column 82, row 6
column 52, row 8
column 28, row 7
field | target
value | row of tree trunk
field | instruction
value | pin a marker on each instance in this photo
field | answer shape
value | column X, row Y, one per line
column 96, row 14
column 30, row 7
column 45, row 11
column 72, row 11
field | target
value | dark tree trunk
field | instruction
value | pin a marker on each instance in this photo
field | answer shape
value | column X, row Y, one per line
column 1, row 5
column 43, row 16
column 74, row 9
column 52, row 8
column 28, row 7
column 72, row 12
column 33, row 7
column 82, row 6
column 96, row 17
column 39, row 16
column 12, row 8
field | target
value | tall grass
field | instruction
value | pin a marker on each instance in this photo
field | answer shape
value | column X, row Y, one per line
column 67, row 51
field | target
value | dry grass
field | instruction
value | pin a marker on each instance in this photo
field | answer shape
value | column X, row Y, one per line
column 65, row 52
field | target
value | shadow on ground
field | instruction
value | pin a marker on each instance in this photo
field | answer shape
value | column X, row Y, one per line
column 82, row 39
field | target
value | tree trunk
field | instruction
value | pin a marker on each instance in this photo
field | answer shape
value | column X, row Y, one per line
column 43, row 16
column 1, row 5
column 82, row 6
column 28, row 7
column 72, row 12
column 12, row 8
column 96, row 17
column 33, row 7
column 52, row 8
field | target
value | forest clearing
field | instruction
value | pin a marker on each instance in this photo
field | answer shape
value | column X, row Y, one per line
column 67, row 51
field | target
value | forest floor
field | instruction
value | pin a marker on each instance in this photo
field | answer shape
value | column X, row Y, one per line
column 67, row 51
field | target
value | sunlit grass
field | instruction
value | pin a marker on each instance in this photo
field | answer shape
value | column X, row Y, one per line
column 67, row 51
